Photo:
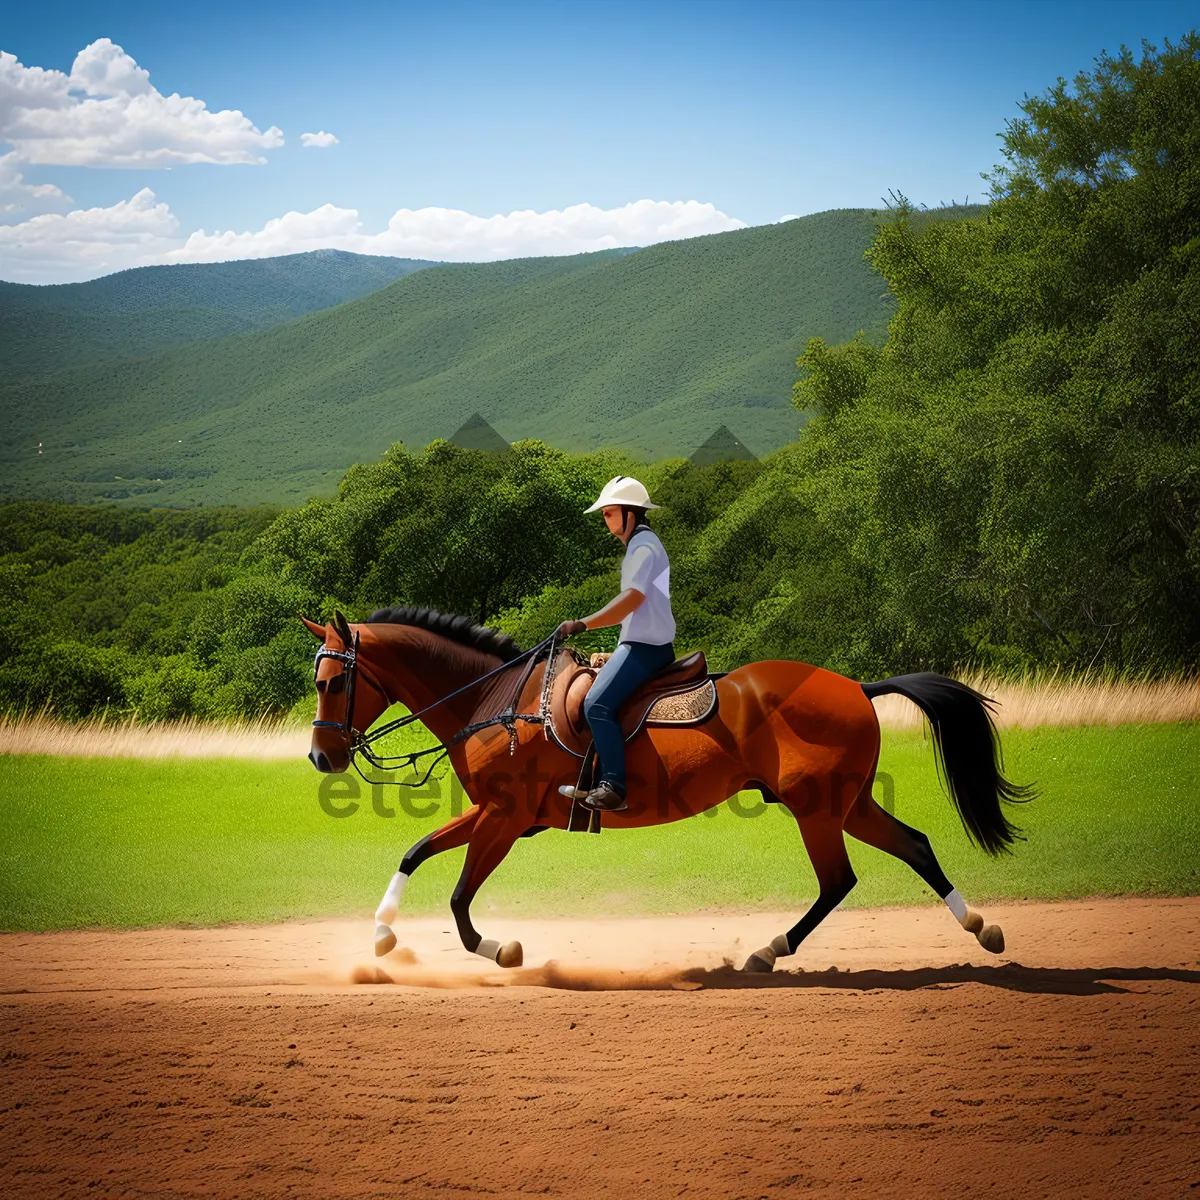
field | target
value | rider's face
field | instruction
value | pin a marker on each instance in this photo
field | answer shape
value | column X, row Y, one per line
column 613, row 518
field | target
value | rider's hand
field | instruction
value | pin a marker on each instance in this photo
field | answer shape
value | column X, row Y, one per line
column 567, row 628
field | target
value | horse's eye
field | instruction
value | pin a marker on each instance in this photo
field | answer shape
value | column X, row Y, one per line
column 337, row 684
column 320, row 685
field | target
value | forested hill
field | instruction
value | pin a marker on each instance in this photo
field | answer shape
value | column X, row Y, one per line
column 650, row 350
column 148, row 309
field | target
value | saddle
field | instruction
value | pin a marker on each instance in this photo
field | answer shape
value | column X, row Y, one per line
column 680, row 694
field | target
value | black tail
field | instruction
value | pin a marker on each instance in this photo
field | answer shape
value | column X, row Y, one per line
column 968, row 753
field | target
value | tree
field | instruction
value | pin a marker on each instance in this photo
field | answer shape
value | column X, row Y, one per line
column 1018, row 466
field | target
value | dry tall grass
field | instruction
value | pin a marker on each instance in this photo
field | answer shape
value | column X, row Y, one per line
column 1020, row 705
column 45, row 734
column 1065, row 701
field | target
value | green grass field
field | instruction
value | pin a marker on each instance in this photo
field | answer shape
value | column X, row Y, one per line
column 120, row 842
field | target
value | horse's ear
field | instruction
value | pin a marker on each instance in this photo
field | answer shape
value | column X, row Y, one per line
column 318, row 631
column 343, row 628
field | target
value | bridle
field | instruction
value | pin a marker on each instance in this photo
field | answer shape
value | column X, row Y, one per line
column 360, row 742
column 349, row 660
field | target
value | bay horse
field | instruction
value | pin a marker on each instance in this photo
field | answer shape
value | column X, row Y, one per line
column 805, row 737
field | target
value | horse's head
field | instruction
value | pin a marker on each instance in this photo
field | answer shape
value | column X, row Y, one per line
column 349, row 696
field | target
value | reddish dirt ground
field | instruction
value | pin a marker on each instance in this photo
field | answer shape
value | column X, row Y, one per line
column 902, row 1060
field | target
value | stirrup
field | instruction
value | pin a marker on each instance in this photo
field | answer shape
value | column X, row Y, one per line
column 584, row 784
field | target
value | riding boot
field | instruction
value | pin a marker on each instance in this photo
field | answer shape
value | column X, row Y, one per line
column 606, row 797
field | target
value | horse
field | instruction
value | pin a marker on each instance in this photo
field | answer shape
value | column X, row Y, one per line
column 805, row 737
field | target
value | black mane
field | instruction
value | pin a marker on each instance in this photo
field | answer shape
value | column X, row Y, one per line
column 450, row 625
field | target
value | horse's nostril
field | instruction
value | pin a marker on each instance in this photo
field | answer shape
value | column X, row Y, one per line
column 318, row 760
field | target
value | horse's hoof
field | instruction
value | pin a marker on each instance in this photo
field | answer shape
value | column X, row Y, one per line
column 762, row 962
column 511, row 955
column 991, row 938
column 385, row 941
column 973, row 923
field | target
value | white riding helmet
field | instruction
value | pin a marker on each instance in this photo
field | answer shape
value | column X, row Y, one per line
column 622, row 490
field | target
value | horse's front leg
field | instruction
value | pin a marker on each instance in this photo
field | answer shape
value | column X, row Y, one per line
column 491, row 839
column 451, row 835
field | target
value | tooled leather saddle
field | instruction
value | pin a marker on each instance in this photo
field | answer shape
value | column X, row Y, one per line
column 680, row 694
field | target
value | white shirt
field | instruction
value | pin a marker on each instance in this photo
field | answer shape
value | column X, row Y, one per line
column 646, row 568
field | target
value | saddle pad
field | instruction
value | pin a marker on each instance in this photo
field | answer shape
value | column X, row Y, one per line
column 684, row 708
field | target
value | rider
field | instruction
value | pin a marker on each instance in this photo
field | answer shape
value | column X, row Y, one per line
column 645, row 645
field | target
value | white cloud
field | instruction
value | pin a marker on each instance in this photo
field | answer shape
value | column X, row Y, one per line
column 63, row 248
column 318, row 140
column 138, row 232
column 293, row 233
column 106, row 113
column 450, row 235
column 104, row 69
column 18, row 196
column 787, row 217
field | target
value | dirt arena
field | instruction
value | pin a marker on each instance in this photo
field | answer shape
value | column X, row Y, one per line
column 902, row 1060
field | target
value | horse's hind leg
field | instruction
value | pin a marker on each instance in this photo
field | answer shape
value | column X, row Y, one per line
column 451, row 835
column 877, row 827
column 826, row 848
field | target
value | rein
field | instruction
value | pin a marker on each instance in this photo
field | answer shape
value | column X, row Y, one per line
column 360, row 743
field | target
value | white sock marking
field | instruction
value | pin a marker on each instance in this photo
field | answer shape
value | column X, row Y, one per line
column 389, row 906
column 957, row 905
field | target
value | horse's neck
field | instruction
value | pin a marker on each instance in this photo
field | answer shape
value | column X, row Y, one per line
column 424, row 669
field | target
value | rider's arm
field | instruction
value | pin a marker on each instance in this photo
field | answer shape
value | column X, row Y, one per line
column 616, row 610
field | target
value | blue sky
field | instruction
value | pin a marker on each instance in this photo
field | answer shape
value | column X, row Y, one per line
column 757, row 109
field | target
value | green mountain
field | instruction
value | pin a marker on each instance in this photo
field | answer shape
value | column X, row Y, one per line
column 147, row 309
column 648, row 351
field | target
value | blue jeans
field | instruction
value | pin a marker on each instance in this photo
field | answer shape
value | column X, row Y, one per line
column 630, row 666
